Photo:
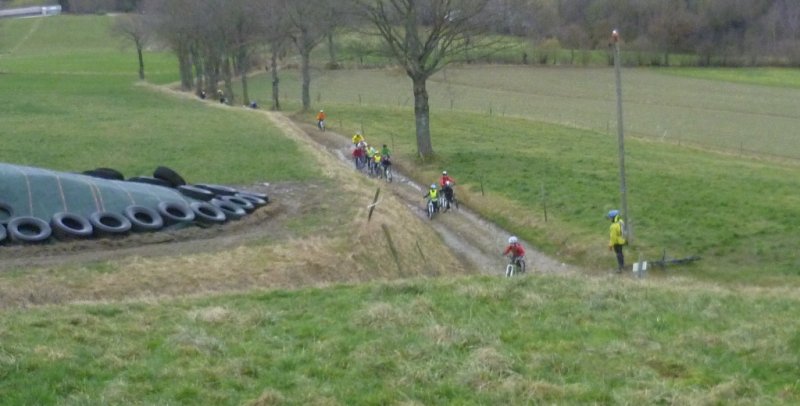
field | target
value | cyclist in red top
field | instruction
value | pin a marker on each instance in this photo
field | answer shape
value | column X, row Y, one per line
column 515, row 249
column 445, row 178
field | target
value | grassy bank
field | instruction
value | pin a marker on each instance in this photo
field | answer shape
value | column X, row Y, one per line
column 468, row 341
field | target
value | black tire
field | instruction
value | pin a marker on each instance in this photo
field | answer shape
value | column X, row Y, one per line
column 431, row 209
column 105, row 173
column 256, row 201
column 175, row 212
column 168, row 175
column 70, row 225
column 150, row 181
column 232, row 210
column 108, row 223
column 3, row 233
column 6, row 213
column 207, row 213
column 28, row 229
column 244, row 203
column 196, row 193
column 143, row 218
column 218, row 189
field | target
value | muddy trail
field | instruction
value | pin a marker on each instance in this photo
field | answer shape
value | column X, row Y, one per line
column 476, row 241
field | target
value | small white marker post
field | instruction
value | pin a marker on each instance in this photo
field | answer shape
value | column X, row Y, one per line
column 640, row 269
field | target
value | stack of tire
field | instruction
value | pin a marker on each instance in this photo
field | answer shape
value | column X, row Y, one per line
column 207, row 204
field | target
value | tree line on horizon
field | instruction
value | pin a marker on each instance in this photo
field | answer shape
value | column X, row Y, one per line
column 217, row 41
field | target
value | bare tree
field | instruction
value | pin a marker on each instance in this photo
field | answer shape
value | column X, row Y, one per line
column 309, row 23
column 274, row 32
column 423, row 36
column 133, row 28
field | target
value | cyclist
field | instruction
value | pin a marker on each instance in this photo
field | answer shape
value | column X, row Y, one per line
column 517, row 252
column 446, row 178
column 321, row 119
column 371, row 153
column 358, row 157
column 433, row 196
column 386, row 162
column 385, row 153
column 448, row 193
column 358, row 138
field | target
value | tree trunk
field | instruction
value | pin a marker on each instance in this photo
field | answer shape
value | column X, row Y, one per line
column 245, row 95
column 331, row 50
column 185, row 67
column 141, row 60
column 276, row 103
column 422, row 118
column 199, row 74
column 227, row 76
column 243, row 67
column 305, row 68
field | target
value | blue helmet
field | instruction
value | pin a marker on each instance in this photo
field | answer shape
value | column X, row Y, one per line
column 613, row 214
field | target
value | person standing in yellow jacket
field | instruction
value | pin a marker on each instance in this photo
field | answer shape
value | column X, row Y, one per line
column 617, row 238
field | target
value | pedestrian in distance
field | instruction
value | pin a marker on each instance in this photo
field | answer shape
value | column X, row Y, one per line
column 617, row 238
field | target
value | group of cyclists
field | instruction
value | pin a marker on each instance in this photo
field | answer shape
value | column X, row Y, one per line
column 441, row 195
column 376, row 162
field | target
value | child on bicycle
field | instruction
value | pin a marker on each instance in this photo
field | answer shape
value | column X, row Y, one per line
column 446, row 178
column 358, row 138
column 517, row 252
column 433, row 196
column 448, row 193
column 321, row 119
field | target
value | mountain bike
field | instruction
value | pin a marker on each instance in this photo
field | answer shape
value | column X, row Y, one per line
column 515, row 266
column 431, row 209
column 321, row 125
column 387, row 173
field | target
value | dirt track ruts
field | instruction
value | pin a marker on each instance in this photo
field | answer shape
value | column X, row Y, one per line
column 474, row 239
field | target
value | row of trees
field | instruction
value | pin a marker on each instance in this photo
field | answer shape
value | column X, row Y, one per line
column 217, row 41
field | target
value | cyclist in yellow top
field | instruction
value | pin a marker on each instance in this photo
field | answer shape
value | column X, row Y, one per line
column 358, row 138
column 433, row 196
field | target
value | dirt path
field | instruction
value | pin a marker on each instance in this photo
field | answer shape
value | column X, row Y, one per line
column 474, row 239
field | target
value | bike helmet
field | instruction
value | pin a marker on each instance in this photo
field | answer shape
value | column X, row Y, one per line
column 612, row 214
column 444, row 172
column 433, row 186
column 512, row 240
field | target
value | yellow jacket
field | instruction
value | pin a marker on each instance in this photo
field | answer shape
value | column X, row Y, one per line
column 615, row 232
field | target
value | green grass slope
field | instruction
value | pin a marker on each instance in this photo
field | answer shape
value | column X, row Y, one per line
column 480, row 340
column 71, row 102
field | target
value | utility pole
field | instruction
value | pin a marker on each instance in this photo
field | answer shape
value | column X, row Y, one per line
column 620, row 131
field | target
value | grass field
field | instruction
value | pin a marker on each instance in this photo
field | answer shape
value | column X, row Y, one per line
column 80, row 107
column 726, row 333
column 477, row 340
column 713, row 114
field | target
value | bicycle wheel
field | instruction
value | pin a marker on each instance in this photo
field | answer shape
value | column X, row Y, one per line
column 388, row 173
column 522, row 266
column 509, row 270
column 431, row 209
